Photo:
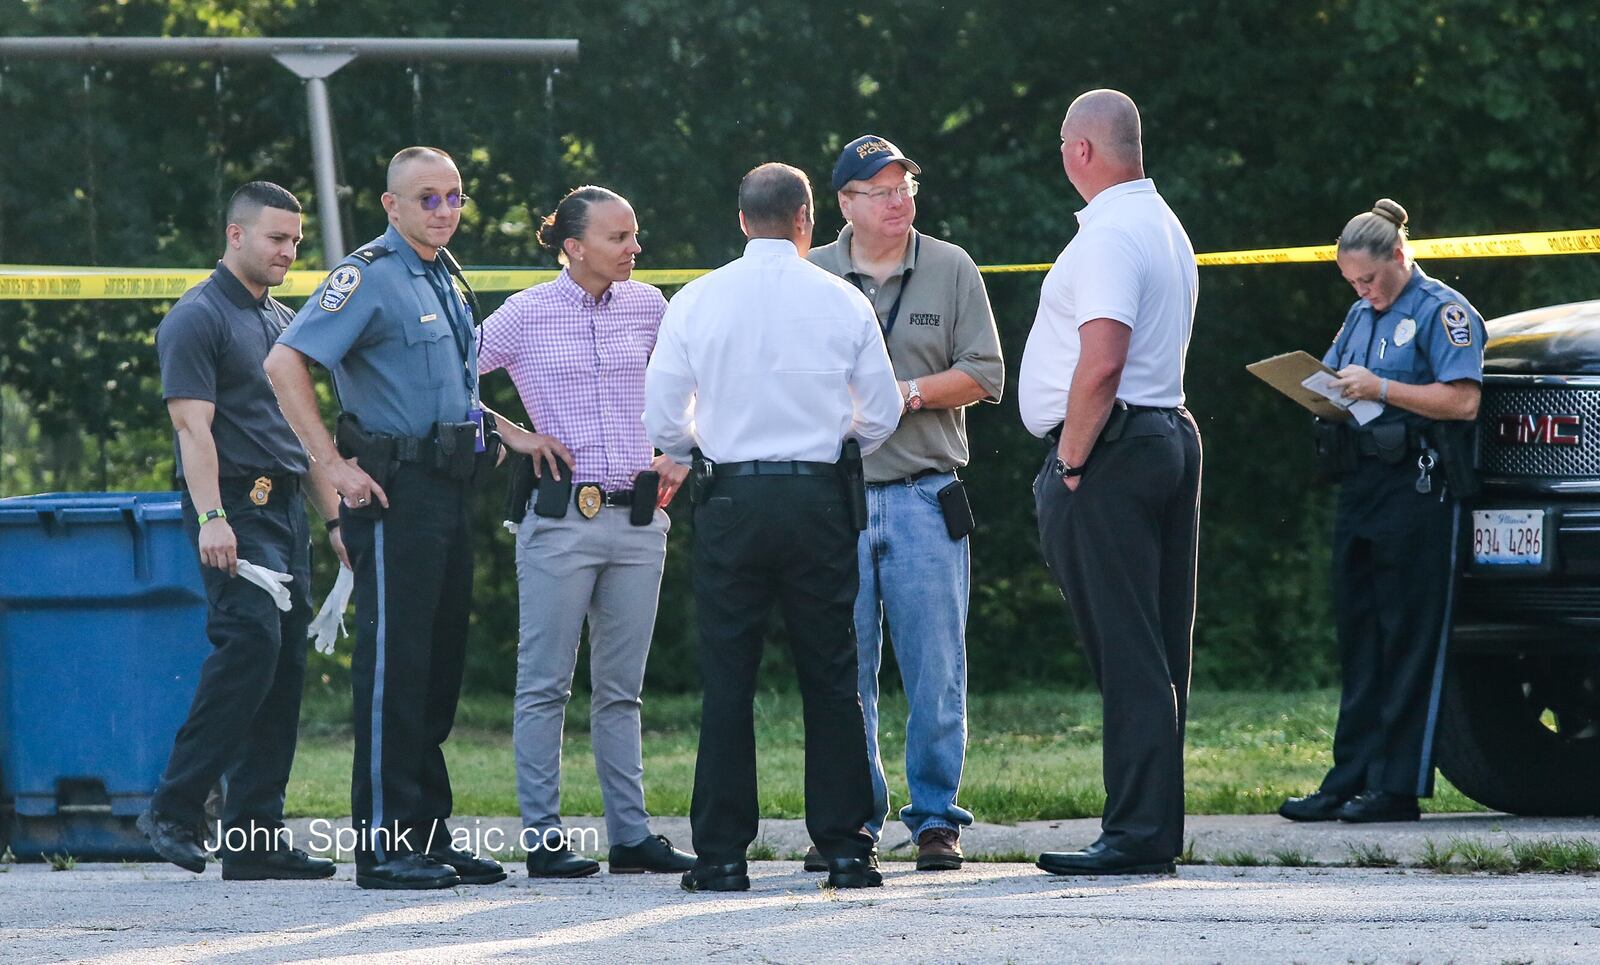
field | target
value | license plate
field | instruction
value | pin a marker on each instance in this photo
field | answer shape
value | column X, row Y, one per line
column 1508, row 537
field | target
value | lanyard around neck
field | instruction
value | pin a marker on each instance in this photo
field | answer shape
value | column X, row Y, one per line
column 905, row 282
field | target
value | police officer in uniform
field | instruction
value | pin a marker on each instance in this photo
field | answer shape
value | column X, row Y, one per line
column 771, row 369
column 393, row 323
column 245, row 478
column 1414, row 345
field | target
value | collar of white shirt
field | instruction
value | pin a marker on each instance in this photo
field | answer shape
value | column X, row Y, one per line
column 1106, row 198
column 771, row 248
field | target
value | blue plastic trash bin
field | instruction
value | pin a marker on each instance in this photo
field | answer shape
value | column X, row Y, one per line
column 102, row 633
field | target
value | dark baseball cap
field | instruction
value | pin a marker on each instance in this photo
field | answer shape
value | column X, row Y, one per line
column 866, row 156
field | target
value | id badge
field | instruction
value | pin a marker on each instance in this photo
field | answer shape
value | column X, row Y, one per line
column 475, row 416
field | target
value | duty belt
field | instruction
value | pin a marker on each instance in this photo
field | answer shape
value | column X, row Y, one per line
column 615, row 497
column 756, row 467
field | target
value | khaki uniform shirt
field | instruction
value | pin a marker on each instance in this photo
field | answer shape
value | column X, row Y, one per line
column 944, row 322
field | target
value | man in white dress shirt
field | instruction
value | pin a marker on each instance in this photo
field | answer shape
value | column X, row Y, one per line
column 767, row 366
column 1118, row 495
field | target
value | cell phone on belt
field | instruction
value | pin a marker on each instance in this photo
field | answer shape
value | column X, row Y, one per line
column 554, row 495
column 646, row 493
column 957, row 511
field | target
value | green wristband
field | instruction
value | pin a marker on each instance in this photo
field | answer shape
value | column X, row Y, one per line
column 218, row 513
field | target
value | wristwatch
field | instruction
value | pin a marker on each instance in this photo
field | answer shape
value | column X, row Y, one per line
column 913, row 396
column 1065, row 471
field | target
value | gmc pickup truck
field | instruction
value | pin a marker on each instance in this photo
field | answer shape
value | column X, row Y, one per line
column 1519, row 723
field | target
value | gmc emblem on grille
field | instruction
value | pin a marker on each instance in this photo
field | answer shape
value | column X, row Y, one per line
column 1539, row 430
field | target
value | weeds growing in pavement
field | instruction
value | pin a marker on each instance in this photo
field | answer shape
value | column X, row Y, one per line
column 1371, row 856
column 1557, row 855
column 1189, row 855
column 1292, row 858
column 60, row 862
column 761, row 851
column 1435, row 858
column 1479, row 855
column 1238, row 859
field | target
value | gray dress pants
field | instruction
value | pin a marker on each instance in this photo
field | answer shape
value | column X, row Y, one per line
column 608, row 572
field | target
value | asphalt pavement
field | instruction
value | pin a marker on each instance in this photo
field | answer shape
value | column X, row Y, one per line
column 985, row 912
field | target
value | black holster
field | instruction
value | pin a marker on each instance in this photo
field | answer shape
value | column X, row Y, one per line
column 1456, row 443
column 519, row 489
column 702, row 477
column 375, row 454
column 854, row 477
column 1335, row 448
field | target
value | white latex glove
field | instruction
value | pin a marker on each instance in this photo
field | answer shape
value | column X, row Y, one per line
column 270, row 580
column 328, row 625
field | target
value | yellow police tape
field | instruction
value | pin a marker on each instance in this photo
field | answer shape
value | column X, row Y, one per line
column 47, row 282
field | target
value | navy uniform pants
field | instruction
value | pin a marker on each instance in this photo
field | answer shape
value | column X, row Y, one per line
column 1122, row 548
column 246, row 710
column 413, row 594
column 1393, row 571
column 762, row 541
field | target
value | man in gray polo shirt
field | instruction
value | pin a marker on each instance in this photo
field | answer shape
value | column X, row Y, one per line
column 243, row 471
column 934, row 314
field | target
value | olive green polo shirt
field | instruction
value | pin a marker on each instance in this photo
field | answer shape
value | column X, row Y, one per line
column 944, row 322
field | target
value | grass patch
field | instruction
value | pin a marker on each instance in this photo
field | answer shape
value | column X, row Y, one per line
column 760, row 851
column 1190, row 855
column 1371, row 856
column 60, row 862
column 1479, row 855
column 1032, row 755
column 1238, row 859
column 1003, row 857
column 1292, row 858
column 1435, row 858
column 1556, row 855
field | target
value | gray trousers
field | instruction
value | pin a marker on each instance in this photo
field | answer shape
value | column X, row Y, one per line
column 607, row 571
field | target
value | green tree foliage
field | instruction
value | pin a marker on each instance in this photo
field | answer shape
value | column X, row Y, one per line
column 1265, row 124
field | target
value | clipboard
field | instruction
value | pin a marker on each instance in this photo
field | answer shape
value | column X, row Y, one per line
column 1286, row 372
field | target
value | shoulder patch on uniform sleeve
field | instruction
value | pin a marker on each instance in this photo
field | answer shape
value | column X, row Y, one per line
column 344, row 280
column 1457, row 324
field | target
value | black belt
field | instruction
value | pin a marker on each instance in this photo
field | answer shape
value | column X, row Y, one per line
column 757, row 467
column 618, row 497
column 920, row 474
column 1367, row 446
column 412, row 449
column 1054, row 435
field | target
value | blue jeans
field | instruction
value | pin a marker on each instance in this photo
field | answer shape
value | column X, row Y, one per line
column 916, row 576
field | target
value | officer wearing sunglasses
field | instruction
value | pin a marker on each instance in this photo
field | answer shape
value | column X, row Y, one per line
column 393, row 324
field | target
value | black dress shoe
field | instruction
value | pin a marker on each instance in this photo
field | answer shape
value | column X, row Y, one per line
column 654, row 853
column 814, row 861
column 1320, row 806
column 1374, row 807
column 559, row 863
column 853, row 873
column 1097, row 859
column 734, row 876
column 289, row 864
column 410, row 872
column 472, row 869
column 173, row 840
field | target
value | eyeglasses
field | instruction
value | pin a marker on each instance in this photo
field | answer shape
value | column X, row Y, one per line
column 431, row 200
column 882, row 195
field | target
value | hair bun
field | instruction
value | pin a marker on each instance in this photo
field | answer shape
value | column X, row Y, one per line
column 1390, row 210
column 546, row 234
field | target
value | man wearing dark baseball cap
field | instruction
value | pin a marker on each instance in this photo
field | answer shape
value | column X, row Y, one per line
column 935, row 318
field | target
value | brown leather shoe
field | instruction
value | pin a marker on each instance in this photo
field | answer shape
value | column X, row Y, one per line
column 939, row 849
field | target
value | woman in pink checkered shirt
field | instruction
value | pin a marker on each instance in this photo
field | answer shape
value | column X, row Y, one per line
column 576, row 348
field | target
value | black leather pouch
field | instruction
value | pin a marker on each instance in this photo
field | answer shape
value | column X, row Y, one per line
column 646, row 491
column 957, row 510
column 554, row 495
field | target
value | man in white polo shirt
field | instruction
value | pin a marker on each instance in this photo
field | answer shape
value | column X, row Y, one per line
column 1118, row 495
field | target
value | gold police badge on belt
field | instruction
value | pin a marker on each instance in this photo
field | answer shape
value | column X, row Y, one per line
column 263, row 489
column 589, row 500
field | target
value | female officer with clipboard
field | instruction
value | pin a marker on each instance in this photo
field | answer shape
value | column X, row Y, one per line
column 1415, row 345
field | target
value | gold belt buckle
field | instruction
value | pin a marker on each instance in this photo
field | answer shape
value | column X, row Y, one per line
column 263, row 489
column 589, row 500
